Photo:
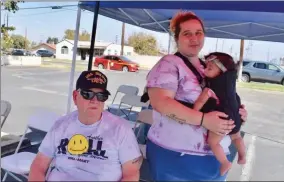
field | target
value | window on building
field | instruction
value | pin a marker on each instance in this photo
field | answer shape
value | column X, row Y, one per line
column 128, row 53
column 98, row 52
column 109, row 52
column 115, row 52
column 64, row 50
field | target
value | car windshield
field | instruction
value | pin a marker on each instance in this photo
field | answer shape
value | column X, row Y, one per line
column 125, row 58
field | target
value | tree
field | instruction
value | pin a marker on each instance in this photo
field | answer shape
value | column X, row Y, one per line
column 84, row 36
column 53, row 40
column 7, row 41
column 19, row 42
column 33, row 44
column 143, row 43
column 69, row 34
column 10, row 5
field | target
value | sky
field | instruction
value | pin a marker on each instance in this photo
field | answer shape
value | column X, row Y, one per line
column 42, row 23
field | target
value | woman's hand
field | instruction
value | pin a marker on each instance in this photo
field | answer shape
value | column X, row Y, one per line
column 214, row 123
column 243, row 112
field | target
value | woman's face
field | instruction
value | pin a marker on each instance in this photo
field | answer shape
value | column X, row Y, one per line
column 191, row 38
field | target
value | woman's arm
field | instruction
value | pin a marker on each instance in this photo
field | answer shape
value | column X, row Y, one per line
column 163, row 101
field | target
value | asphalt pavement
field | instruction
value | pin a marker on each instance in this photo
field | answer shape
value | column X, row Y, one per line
column 34, row 89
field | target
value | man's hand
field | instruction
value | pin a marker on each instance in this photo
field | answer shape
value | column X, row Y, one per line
column 243, row 112
column 131, row 169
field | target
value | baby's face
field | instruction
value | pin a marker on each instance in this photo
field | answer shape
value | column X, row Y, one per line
column 211, row 70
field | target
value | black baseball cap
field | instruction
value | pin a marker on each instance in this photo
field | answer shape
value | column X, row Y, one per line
column 92, row 79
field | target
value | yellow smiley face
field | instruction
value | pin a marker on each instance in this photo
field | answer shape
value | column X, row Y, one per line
column 78, row 144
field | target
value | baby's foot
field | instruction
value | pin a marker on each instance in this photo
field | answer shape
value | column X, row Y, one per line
column 242, row 159
column 225, row 167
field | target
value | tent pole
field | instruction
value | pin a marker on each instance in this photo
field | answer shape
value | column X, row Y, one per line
column 94, row 31
column 72, row 73
column 169, row 44
column 241, row 60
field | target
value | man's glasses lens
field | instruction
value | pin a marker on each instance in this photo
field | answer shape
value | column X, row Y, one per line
column 89, row 95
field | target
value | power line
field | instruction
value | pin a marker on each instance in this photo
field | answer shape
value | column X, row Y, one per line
column 43, row 7
column 27, row 15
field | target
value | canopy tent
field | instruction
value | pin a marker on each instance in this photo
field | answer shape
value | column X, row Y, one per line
column 243, row 21
column 252, row 20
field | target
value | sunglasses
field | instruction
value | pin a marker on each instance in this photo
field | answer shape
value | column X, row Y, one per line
column 89, row 95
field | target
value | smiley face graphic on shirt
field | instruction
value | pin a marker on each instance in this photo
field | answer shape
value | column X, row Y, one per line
column 78, row 144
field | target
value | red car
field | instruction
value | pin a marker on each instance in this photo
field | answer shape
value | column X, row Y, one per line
column 119, row 63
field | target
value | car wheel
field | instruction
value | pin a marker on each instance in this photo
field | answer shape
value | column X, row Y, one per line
column 245, row 77
column 282, row 82
column 125, row 69
column 100, row 66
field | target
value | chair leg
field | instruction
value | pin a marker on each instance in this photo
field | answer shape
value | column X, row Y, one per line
column 18, row 179
column 11, row 174
column 5, row 176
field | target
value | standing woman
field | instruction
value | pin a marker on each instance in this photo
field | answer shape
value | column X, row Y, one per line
column 176, row 146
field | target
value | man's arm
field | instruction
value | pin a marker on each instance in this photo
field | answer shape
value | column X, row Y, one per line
column 39, row 167
column 131, row 170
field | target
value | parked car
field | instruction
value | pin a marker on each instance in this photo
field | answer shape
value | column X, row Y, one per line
column 262, row 72
column 120, row 63
column 45, row 53
column 29, row 53
column 18, row 53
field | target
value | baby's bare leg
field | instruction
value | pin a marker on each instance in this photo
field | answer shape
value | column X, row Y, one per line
column 240, row 145
column 214, row 142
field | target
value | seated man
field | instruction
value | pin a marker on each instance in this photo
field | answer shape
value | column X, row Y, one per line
column 89, row 144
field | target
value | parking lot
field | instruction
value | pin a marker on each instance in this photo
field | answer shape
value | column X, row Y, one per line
column 32, row 89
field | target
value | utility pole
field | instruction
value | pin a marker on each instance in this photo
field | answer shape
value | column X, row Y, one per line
column 216, row 44
column 122, row 39
column 26, row 39
column 116, row 37
column 268, row 52
column 231, row 50
column 7, row 19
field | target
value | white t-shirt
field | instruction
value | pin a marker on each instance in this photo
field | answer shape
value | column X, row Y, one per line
column 172, row 74
column 89, row 152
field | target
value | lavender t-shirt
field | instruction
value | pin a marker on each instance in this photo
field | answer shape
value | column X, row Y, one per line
column 172, row 74
column 89, row 152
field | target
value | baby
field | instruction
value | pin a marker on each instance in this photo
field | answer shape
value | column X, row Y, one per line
column 220, row 95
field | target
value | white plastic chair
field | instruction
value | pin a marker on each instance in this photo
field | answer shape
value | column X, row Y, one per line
column 20, row 163
column 130, row 101
column 5, row 111
column 126, row 90
column 145, row 116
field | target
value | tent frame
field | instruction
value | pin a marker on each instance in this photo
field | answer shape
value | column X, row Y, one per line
column 93, row 39
column 163, row 29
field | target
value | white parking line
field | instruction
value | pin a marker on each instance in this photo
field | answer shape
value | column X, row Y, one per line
column 44, row 91
column 246, row 170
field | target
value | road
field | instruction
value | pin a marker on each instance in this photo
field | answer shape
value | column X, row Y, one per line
column 35, row 89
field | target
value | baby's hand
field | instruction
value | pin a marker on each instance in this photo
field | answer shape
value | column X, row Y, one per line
column 211, row 94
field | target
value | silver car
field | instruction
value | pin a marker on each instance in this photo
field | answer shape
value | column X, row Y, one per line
column 262, row 72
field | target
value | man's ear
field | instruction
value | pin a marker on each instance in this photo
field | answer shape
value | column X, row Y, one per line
column 75, row 96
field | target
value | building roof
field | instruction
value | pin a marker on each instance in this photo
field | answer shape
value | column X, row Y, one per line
column 52, row 46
